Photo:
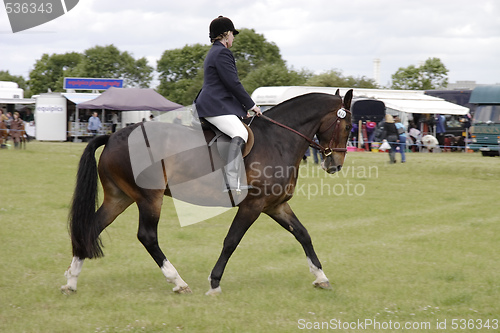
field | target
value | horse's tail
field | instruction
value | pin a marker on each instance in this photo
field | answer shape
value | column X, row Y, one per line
column 83, row 225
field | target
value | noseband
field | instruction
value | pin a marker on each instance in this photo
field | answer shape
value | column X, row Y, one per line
column 327, row 151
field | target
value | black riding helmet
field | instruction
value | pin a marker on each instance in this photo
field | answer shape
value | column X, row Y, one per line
column 220, row 25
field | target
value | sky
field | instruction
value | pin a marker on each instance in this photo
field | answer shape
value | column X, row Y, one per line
column 317, row 35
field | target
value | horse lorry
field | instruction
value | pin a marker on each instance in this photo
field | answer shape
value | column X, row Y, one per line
column 485, row 129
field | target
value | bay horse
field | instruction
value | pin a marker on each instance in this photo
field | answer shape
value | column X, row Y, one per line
column 18, row 136
column 4, row 133
column 281, row 137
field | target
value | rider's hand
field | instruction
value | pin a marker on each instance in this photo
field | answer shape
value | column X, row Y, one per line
column 256, row 109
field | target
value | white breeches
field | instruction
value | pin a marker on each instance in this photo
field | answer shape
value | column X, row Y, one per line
column 229, row 124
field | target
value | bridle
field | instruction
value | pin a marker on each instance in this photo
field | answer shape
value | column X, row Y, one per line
column 327, row 151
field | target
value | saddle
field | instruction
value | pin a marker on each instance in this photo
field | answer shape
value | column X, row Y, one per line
column 217, row 139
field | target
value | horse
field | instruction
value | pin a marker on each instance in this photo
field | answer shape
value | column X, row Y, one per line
column 281, row 137
column 19, row 135
column 24, row 136
column 4, row 133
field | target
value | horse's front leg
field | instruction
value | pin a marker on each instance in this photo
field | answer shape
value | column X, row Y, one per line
column 244, row 218
column 284, row 215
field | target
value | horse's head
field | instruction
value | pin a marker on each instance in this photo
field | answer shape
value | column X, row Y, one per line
column 333, row 134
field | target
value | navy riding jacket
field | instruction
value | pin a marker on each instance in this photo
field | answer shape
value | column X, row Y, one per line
column 222, row 91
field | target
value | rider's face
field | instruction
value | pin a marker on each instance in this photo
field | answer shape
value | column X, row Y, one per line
column 230, row 39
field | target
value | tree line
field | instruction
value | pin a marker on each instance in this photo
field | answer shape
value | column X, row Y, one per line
column 180, row 71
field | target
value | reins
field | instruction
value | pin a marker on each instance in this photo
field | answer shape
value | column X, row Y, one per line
column 327, row 151
column 311, row 142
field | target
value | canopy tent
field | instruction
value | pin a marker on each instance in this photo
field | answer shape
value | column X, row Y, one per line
column 413, row 101
column 409, row 101
column 78, row 98
column 130, row 99
column 126, row 99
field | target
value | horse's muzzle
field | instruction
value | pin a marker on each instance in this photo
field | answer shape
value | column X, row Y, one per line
column 331, row 169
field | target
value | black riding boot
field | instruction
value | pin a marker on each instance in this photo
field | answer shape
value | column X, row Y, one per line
column 234, row 163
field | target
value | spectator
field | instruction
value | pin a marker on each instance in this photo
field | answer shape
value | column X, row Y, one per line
column 10, row 118
column 390, row 133
column 178, row 119
column 402, row 138
column 317, row 156
column 415, row 136
column 114, row 121
column 440, row 128
column 29, row 116
column 16, row 129
column 94, row 124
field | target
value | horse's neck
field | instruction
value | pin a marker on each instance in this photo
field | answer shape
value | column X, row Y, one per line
column 301, row 119
column 306, row 123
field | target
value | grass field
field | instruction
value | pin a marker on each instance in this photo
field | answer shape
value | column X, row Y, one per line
column 407, row 244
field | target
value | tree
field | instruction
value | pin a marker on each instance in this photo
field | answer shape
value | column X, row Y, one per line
column 96, row 62
column 334, row 78
column 109, row 62
column 21, row 82
column 181, row 73
column 182, row 63
column 274, row 75
column 431, row 75
column 258, row 61
column 50, row 70
column 251, row 51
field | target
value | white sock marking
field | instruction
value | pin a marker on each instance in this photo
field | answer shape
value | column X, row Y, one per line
column 318, row 273
column 172, row 275
column 73, row 271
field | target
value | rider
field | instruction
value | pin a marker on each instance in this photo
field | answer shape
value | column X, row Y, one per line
column 16, row 128
column 223, row 101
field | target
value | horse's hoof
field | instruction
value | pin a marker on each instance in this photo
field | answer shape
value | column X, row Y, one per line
column 323, row 285
column 214, row 292
column 182, row 290
column 67, row 290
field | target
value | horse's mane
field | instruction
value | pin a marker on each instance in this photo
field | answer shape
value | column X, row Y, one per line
column 297, row 108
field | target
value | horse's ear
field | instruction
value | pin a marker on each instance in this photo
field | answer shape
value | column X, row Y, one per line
column 337, row 92
column 348, row 99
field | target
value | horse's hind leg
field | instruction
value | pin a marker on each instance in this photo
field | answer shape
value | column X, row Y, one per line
column 284, row 215
column 71, row 275
column 149, row 215
column 112, row 206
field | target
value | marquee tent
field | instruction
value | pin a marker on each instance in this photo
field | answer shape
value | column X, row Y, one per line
column 408, row 101
column 130, row 99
